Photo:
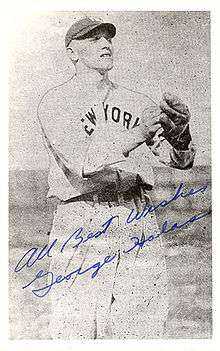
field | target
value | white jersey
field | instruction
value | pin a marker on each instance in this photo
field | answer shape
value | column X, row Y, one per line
column 85, row 131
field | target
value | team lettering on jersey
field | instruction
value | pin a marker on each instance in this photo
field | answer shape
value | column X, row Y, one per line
column 111, row 113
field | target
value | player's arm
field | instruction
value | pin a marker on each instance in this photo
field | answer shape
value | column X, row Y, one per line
column 59, row 139
column 107, row 151
column 69, row 152
column 171, row 119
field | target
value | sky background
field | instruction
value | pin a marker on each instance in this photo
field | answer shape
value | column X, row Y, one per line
column 154, row 52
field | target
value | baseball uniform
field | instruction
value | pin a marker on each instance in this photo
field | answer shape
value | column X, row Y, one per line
column 85, row 130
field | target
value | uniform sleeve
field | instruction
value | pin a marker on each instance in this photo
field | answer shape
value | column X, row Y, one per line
column 86, row 163
column 60, row 137
column 169, row 156
column 182, row 159
column 109, row 162
column 119, row 159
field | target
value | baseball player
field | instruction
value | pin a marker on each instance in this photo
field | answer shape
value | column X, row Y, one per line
column 101, row 138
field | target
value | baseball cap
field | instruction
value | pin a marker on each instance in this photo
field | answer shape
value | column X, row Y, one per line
column 85, row 25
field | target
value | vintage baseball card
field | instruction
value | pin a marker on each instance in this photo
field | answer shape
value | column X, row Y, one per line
column 110, row 212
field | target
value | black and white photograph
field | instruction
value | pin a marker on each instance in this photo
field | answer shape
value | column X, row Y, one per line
column 110, row 231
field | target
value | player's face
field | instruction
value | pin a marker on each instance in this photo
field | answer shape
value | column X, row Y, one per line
column 96, row 51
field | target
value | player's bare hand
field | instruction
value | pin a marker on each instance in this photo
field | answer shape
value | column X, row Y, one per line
column 150, row 123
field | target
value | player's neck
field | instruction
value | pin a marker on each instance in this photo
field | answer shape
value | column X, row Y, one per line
column 92, row 77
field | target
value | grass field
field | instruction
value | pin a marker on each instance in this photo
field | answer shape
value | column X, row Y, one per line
column 188, row 253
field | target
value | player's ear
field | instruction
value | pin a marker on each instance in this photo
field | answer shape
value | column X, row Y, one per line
column 72, row 54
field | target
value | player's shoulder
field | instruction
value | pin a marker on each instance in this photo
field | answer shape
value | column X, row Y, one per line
column 133, row 95
column 56, row 98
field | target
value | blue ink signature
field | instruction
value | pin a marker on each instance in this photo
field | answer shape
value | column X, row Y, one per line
column 178, row 194
column 77, row 233
column 31, row 254
column 164, row 230
column 34, row 254
column 44, row 290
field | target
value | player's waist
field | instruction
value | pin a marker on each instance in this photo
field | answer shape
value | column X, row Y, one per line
column 112, row 198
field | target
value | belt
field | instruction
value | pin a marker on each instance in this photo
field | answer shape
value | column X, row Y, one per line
column 111, row 197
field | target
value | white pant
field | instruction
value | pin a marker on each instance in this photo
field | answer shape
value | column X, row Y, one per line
column 128, row 297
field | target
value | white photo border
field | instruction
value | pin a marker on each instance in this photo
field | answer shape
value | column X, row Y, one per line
column 15, row 10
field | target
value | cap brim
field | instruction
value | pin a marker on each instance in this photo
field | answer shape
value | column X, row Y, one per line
column 105, row 26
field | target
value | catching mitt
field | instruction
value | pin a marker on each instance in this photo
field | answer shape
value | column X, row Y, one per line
column 174, row 120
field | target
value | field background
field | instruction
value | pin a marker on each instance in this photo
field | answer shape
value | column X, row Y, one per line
column 188, row 253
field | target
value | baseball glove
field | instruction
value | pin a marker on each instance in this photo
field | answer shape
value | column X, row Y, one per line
column 174, row 120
